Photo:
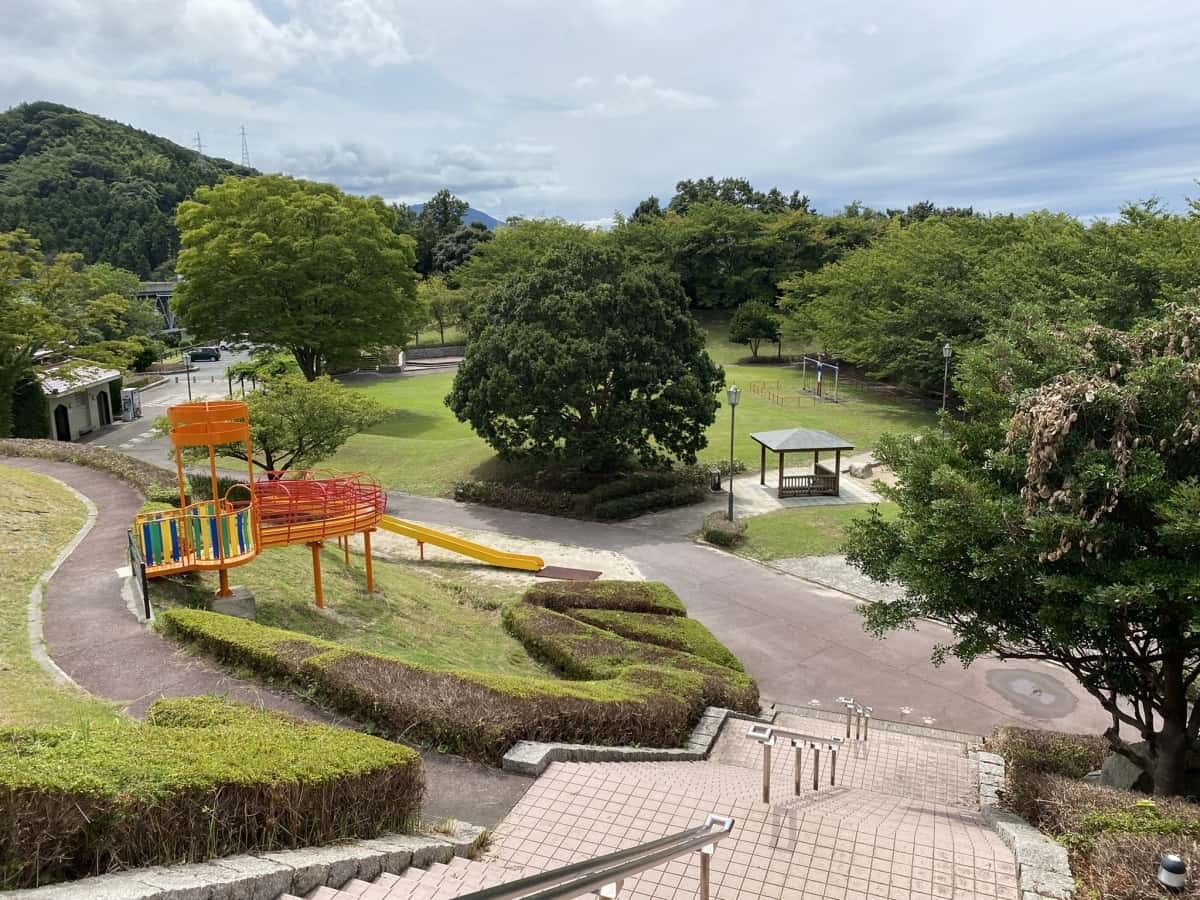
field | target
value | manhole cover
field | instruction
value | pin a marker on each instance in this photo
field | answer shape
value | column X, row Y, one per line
column 1036, row 694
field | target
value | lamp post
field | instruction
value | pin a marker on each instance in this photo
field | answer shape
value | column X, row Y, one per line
column 735, row 394
column 946, row 354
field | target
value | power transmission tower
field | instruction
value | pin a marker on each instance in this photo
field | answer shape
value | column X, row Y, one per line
column 199, row 144
column 245, row 149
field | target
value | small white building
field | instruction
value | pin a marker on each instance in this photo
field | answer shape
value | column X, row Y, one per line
column 80, row 398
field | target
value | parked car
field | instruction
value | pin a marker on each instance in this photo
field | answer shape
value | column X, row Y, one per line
column 201, row 354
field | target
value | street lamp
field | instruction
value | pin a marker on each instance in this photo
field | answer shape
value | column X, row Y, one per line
column 946, row 354
column 735, row 394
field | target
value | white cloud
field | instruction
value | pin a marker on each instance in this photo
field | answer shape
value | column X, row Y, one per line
column 541, row 107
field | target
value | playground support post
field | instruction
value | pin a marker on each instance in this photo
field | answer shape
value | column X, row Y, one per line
column 367, row 556
column 318, row 589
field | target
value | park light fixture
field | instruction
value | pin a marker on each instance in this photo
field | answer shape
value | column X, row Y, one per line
column 735, row 394
column 1172, row 873
column 947, row 352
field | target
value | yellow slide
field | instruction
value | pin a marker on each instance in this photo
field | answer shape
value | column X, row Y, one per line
column 459, row 545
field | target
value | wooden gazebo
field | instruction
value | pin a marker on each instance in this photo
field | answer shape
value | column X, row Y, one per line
column 823, row 481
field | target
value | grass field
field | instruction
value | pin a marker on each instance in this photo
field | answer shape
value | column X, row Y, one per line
column 421, row 448
column 412, row 615
column 39, row 518
column 803, row 531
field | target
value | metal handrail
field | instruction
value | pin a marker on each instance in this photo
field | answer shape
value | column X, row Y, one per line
column 601, row 871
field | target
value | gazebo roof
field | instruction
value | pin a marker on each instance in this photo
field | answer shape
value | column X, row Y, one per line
column 789, row 439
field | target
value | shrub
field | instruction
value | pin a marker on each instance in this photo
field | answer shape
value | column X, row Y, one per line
column 671, row 631
column 522, row 498
column 201, row 778
column 720, row 531
column 200, row 487
column 151, row 481
column 635, row 504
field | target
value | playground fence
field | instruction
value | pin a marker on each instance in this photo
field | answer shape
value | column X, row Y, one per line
column 137, row 569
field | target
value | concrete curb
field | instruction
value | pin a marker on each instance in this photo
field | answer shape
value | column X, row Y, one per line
column 533, row 757
column 267, row 875
column 37, row 640
column 1043, row 868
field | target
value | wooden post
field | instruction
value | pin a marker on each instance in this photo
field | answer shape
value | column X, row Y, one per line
column 816, row 460
column 762, row 468
column 318, row 589
column 223, row 590
column 367, row 556
column 782, row 454
column 346, row 548
column 837, row 473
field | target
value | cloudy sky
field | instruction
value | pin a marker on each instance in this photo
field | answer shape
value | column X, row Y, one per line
column 575, row 108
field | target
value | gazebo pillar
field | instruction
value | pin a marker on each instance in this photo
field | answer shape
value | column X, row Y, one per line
column 816, row 460
column 837, row 473
column 782, row 454
column 762, row 467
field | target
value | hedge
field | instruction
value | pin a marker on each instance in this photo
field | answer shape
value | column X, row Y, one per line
column 616, row 690
column 151, row 481
column 673, row 632
column 200, row 778
column 620, row 498
column 628, row 596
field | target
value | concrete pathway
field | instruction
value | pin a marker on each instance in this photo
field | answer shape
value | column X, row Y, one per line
column 95, row 639
column 805, row 643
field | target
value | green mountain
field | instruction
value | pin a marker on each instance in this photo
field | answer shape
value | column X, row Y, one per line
column 79, row 182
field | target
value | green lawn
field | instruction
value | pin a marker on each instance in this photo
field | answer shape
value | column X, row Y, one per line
column 421, row 448
column 803, row 531
column 38, row 517
column 413, row 615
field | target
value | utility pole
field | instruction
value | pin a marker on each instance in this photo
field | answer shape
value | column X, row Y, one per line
column 199, row 144
column 245, row 149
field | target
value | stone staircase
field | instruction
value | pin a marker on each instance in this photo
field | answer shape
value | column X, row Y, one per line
column 902, row 820
column 435, row 882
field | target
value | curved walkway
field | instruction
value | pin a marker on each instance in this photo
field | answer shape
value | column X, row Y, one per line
column 805, row 643
column 96, row 640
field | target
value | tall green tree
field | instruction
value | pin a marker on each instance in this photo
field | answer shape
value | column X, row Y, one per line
column 587, row 358
column 753, row 323
column 296, row 264
column 1061, row 522
column 456, row 248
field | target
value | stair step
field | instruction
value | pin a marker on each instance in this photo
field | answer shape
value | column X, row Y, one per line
column 324, row 892
column 355, row 887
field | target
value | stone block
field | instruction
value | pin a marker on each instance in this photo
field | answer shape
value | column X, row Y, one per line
column 240, row 603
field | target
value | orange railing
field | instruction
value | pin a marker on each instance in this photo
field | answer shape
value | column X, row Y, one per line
column 308, row 506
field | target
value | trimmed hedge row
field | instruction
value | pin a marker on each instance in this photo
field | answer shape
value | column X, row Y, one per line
column 478, row 715
column 627, row 596
column 153, row 482
column 618, row 690
column 621, row 498
column 671, row 631
column 201, row 778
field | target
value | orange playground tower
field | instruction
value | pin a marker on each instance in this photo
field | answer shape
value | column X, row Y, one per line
column 276, row 511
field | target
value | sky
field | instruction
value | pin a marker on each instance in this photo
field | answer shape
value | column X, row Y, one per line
column 577, row 108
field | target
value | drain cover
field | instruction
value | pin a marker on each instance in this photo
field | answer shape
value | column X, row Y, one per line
column 1036, row 694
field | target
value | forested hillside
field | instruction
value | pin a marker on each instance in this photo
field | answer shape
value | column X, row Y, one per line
column 78, row 182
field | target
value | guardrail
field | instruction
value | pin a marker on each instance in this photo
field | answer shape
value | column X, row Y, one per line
column 768, row 735
column 137, row 569
column 605, row 875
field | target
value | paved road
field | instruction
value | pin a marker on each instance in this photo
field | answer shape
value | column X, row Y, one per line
column 96, row 640
column 804, row 643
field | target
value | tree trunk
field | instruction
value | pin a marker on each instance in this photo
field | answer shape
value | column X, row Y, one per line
column 1170, row 745
column 309, row 360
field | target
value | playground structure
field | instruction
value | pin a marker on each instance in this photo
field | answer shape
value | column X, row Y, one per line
column 280, row 510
